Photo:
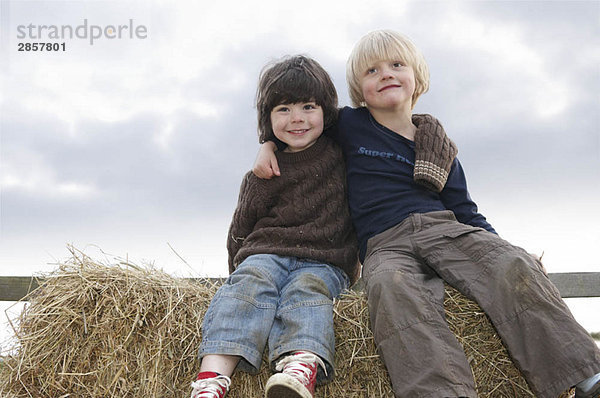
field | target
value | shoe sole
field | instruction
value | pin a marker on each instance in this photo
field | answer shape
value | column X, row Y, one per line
column 282, row 386
column 592, row 394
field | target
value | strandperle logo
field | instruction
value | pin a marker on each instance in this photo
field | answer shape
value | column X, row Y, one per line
column 84, row 31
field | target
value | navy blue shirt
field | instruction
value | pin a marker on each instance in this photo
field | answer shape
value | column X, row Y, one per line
column 381, row 188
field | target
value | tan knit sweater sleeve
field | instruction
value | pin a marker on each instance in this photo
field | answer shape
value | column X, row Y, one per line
column 247, row 213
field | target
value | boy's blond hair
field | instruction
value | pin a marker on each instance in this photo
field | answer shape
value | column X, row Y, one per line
column 382, row 45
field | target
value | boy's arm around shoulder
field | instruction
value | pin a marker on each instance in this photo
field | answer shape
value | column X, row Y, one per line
column 245, row 216
column 265, row 165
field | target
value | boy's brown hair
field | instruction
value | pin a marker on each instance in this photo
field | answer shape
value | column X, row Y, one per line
column 293, row 80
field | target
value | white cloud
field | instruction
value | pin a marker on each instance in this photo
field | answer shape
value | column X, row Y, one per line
column 27, row 173
column 517, row 68
column 161, row 130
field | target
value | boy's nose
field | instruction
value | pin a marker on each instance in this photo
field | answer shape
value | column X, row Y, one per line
column 386, row 73
column 297, row 116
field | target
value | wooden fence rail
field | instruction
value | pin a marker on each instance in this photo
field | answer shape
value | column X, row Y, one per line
column 571, row 284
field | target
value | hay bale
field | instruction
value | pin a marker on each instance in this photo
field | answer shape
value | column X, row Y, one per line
column 100, row 331
column 94, row 330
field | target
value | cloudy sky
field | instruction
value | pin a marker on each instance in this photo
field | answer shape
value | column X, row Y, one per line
column 134, row 147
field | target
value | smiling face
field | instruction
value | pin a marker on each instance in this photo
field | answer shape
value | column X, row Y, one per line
column 299, row 125
column 388, row 86
column 385, row 45
column 296, row 80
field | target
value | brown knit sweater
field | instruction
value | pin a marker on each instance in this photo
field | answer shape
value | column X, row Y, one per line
column 303, row 213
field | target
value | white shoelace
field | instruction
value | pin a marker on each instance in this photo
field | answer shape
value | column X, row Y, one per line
column 299, row 365
column 210, row 388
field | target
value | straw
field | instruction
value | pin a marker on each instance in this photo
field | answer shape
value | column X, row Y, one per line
column 94, row 330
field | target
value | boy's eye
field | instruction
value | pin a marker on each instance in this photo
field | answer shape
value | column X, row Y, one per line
column 310, row 106
column 371, row 71
column 282, row 109
column 398, row 64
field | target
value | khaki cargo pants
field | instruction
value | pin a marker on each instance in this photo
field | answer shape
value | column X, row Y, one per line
column 404, row 270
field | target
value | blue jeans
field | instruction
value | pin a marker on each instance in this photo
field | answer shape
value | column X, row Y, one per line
column 286, row 301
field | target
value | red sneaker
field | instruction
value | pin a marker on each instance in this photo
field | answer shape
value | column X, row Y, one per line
column 210, row 385
column 298, row 376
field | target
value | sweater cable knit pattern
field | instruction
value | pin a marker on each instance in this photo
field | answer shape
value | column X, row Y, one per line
column 434, row 153
column 303, row 213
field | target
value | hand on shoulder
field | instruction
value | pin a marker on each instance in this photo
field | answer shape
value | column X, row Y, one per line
column 265, row 165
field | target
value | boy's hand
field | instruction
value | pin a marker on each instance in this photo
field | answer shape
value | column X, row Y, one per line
column 265, row 165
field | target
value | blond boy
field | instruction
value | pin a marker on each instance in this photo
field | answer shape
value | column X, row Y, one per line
column 418, row 227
